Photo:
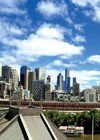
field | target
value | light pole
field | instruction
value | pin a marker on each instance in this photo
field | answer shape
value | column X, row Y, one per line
column 41, row 98
column 92, row 127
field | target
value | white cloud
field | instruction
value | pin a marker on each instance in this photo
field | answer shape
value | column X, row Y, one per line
column 94, row 59
column 10, row 31
column 93, row 4
column 59, row 63
column 38, row 46
column 50, row 31
column 79, row 27
column 82, row 3
column 79, row 39
column 43, row 44
column 12, row 7
column 49, row 8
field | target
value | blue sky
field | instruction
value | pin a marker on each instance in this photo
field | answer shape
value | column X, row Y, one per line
column 54, row 34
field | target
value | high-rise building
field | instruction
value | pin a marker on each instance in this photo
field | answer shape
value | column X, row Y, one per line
column 67, row 81
column 40, row 73
column 74, row 80
column 38, row 90
column 76, row 91
column 10, row 75
column 48, row 89
column 32, row 77
column 26, row 78
column 68, row 86
column 24, row 75
column 0, row 70
column 60, row 81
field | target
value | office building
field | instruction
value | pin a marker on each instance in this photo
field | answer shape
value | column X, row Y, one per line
column 60, row 81
column 67, row 81
column 40, row 73
column 68, row 85
column 22, row 75
column 89, row 95
column 32, row 77
column 10, row 76
column 4, row 88
column 26, row 78
column 76, row 88
column 38, row 90
column 97, row 88
column 74, row 80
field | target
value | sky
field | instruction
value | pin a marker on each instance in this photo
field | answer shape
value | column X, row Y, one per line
column 53, row 34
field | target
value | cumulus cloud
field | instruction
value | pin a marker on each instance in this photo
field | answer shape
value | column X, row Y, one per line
column 38, row 46
column 50, row 8
column 79, row 39
column 79, row 27
column 59, row 63
column 82, row 3
column 51, row 31
column 94, row 6
column 41, row 43
column 94, row 59
column 12, row 7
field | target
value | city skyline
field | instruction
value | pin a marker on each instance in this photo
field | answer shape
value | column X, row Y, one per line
column 54, row 35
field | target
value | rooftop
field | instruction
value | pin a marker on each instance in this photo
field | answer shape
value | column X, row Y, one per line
column 26, row 123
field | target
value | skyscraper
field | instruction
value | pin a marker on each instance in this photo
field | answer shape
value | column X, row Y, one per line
column 74, row 80
column 26, row 78
column 31, row 79
column 22, row 74
column 67, row 81
column 10, row 75
column 60, row 81
column 40, row 73
column 76, row 87
column 38, row 90
column 68, row 85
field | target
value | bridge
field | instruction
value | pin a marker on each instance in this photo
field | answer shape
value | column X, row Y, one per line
column 53, row 105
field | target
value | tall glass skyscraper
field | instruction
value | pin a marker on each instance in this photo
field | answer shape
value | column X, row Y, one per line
column 67, row 81
column 22, row 74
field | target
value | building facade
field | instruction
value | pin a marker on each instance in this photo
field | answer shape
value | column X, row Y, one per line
column 23, row 73
column 10, row 76
column 74, row 80
column 40, row 73
column 60, row 81
column 89, row 95
column 76, row 89
column 32, row 77
column 38, row 90
column 48, row 88
column 67, row 81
